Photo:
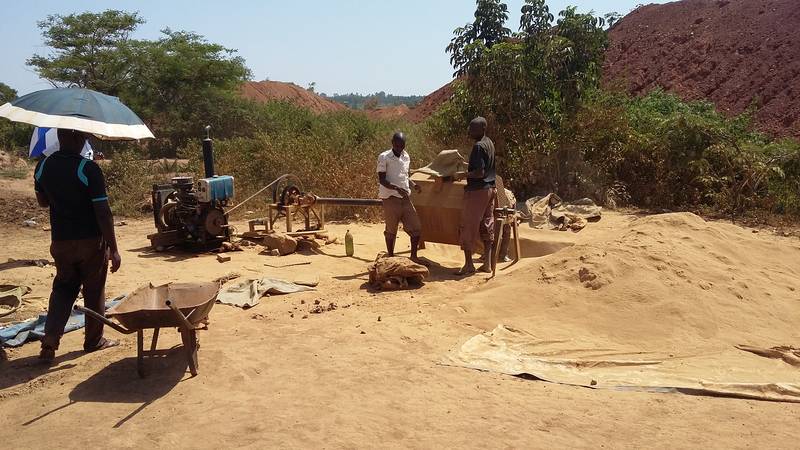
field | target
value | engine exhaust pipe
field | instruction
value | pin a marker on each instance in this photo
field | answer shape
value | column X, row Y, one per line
column 208, row 153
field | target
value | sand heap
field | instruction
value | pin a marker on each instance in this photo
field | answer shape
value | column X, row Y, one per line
column 388, row 112
column 664, row 281
column 267, row 91
column 431, row 103
column 661, row 299
column 732, row 52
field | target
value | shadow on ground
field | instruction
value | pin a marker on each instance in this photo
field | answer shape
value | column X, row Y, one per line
column 119, row 383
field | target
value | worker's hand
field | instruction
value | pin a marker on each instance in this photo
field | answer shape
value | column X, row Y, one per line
column 116, row 261
column 401, row 191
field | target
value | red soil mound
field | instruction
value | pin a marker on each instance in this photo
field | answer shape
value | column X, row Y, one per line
column 431, row 103
column 732, row 52
column 388, row 112
column 267, row 91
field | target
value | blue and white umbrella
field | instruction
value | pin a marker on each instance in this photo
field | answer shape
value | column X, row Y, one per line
column 44, row 142
column 77, row 109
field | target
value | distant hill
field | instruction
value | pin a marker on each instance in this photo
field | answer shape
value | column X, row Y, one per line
column 732, row 52
column 266, row 91
column 378, row 106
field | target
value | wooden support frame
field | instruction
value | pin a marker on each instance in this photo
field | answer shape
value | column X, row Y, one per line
column 288, row 213
column 505, row 216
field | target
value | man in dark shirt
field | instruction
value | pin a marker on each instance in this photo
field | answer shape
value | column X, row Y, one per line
column 477, row 215
column 82, row 239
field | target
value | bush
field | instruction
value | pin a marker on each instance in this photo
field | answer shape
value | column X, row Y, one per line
column 129, row 182
column 334, row 154
column 655, row 151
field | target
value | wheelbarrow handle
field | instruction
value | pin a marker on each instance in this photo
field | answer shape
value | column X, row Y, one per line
column 103, row 319
column 181, row 318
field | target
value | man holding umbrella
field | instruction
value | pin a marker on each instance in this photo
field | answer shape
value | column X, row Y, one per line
column 82, row 227
column 83, row 240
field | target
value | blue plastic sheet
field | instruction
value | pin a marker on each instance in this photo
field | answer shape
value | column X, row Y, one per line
column 33, row 329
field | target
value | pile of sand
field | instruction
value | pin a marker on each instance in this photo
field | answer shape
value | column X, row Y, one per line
column 431, row 103
column 733, row 52
column 665, row 282
column 661, row 283
column 665, row 301
column 388, row 112
column 268, row 91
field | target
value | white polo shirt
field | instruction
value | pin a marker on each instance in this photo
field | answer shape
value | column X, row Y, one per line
column 396, row 172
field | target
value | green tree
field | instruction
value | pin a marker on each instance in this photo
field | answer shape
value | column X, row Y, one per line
column 11, row 134
column 485, row 31
column 612, row 19
column 7, row 94
column 89, row 50
column 176, row 84
column 182, row 82
column 530, row 87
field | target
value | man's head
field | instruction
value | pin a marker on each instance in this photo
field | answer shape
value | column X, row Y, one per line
column 71, row 141
column 399, row 141
column 477, row 128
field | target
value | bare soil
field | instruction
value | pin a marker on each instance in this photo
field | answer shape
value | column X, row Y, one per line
column 266, row 91
column 735, row 53
column 344, row 366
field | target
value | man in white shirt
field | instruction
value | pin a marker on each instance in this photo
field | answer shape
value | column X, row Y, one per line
column 395, row 190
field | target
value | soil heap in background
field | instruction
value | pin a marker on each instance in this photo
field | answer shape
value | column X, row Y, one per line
column 732, row 52
column 430, row 103
column 267, row 91
column 388, row 112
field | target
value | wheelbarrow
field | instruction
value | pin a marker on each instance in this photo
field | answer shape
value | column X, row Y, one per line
column 175, row 305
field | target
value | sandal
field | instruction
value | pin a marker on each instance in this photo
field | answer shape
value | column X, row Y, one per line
column 463, row 272
column 47, row 355
column 102, row 345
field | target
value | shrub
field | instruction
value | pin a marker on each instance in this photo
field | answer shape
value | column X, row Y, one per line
column 334, row 154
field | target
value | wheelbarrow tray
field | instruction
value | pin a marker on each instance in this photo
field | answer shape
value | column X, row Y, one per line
column 146, row 306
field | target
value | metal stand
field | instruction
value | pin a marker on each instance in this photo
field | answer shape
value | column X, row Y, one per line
column 505, row 216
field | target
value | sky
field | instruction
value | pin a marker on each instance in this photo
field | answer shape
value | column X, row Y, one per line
column 342, row 45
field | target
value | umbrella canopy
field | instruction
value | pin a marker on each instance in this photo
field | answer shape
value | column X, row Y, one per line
column 77, row 109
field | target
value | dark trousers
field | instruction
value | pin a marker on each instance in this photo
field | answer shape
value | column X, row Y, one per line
column 82, row 262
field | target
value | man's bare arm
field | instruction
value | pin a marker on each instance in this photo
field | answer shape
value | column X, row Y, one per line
column 105, row 220
column 42, row 200
column 385, row 183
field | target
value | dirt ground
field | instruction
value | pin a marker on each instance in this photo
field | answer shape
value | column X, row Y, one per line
column 268, row 91
column 737, row 54
column 368, row 372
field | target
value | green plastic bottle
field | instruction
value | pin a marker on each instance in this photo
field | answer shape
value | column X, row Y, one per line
column 348, row 244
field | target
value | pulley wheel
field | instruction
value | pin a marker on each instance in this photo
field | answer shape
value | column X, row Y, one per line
column 215, row 222
column 290, row 195
column 167, row 216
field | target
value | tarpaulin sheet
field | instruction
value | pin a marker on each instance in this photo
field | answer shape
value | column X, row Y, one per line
column 732, row 373
column 551, row 213
column 33, row 329
column 247, row 293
